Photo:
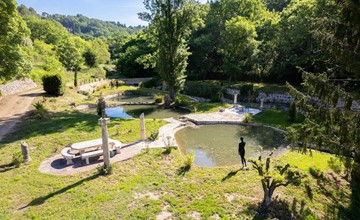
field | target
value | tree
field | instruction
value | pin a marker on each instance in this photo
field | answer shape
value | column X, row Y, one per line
column 14, row 43
column 70, row 55
column 171, row 23
column 239, row 47
column 274, row 177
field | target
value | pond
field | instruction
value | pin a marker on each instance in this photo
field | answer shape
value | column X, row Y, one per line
column 150, row 111
column 133, row 99
column 217, row 145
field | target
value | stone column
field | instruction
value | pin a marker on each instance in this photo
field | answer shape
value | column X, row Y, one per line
column 163, row 86
column 142, row 127
column 25, row 151
column 261, row 103
column 105, row 141
column 235, row 98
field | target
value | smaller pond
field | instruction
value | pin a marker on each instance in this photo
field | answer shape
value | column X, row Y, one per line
column 133, row 99
column 217, row 145
column 150, row 111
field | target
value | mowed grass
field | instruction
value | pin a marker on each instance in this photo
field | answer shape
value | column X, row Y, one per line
column 276, row 118
column 144, row 187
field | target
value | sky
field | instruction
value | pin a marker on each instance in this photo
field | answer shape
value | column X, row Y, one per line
column 123, row 11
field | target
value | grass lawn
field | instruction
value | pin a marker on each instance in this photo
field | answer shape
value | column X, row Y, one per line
column 148, row 185
column 275, row 118
column 151, row 184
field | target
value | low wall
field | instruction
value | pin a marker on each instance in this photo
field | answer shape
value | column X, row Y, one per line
column 17, row 86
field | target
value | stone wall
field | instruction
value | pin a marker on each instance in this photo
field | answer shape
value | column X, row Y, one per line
column 17, row 86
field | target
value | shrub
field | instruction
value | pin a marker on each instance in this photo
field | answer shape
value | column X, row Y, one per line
column 188, row 160
column 141, row 85
column 151, row 83
column 54, row 84
column 204, row 89
column 248, row 118
column 153, row 136
column 17, row 159
column 40, row 110
column 247, row 89
column 159, row 98
column 103, row 171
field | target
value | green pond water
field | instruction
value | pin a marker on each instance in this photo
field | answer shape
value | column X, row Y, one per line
column 217, row 145
column 133, row 98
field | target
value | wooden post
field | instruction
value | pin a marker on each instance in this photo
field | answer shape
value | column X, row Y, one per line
column 142, row 127
column 25, row 151
column 105, row 141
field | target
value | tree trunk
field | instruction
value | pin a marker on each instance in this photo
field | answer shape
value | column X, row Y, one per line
column 75, row 78
column 172, row 93
column 268, row 192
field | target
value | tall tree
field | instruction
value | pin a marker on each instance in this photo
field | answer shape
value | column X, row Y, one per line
column 14, row 42
column 70, row 55
column 239, row 47
column 171, row 23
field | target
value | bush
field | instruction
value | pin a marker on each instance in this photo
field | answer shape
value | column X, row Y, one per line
column 204, row 89
column 40, row 110
column 188, row 160
column 17, row 159
column 247, row 89
column 159, row 98
column 54, row 84
column 153, row 136
column 102, row 171
column 151, row 83
column 248, row 118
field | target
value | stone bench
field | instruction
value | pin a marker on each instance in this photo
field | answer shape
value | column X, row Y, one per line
column 66, row 153
column 87, row 155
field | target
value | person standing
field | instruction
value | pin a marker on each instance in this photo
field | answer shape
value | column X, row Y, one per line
column 242, row 152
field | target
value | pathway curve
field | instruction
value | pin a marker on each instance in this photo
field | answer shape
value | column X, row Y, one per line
column 13, row 109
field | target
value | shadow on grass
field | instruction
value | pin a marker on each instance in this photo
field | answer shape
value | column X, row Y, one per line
column 183, row 170
column 7, row 167
column 58, row 122
column 41, row 200
column 229, row 175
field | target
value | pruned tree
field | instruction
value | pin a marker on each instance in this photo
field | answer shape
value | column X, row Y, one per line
column 274, row 177
column 171, row 23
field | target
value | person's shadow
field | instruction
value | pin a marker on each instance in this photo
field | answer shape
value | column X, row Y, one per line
column 229, row 175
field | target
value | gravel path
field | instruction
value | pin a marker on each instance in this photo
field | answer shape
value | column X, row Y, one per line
column 13, row 108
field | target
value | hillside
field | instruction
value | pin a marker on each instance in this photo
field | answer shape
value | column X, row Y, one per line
column 80, row 25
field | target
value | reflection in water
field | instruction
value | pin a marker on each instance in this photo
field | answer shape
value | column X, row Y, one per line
column 133, row 98
column 150, row 111
column 217, row 145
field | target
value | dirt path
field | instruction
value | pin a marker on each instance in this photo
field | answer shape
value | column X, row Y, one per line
column 13, row 108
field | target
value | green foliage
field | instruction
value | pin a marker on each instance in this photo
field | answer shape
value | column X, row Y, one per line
column 136, row 57
column 17, row 159
column 104, row 171
column 159, row 98
column 14, row 42
column 204, row 89
column 274, row 177
column 54, row 84
column 239, row 47
column 188, row 160
column 292, row 112
column 171, row 23
column 153, row 136
column 153, row 82
column 248, row 118
column 40, row 110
